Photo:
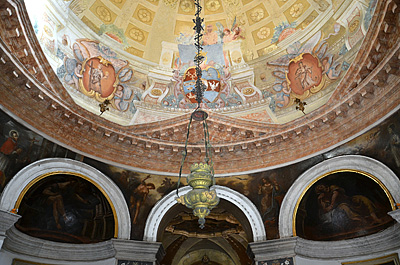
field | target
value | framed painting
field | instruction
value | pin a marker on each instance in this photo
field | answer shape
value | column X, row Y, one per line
column 342, row 205
column 67, row 208
column 392, row 259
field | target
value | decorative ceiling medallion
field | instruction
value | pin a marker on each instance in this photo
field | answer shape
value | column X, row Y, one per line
column 305, row 74
column 264, row 33
column 213, row 5
column 170, row 3
column 136, row 34
column 98, row 78
column 232, row 3
column 103, row 13
column 118, row 3
column 296, row 10
column 144, row 15
column 187, row 6
column 257, row 14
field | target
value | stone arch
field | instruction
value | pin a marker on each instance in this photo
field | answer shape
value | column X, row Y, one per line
column 23, row 179
column 242, row 202
column 350, row 162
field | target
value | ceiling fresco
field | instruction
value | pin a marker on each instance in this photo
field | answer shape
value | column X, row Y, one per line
column 261, row 56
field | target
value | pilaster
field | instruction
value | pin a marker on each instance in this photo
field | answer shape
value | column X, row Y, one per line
column 272, row 249
column 395, row 215
column 138, row 251
column 7, row 219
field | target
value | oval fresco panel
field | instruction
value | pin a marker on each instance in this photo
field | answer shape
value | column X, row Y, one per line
column 66, row 208
column 343, row 205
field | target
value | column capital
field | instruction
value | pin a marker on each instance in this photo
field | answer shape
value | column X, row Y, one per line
column 143, row 251
column 395, row 215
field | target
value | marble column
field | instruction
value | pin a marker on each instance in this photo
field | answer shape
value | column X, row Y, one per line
column 7, row 220
column 141, row 252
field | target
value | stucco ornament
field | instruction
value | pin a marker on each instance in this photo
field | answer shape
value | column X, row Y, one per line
column 144, row 15
column 213, row 5
column 257, row 14
column 264, row 33
column 187, row 6
column 296, row 10
column 103, row 13
column 170, row 3
column 136, row 34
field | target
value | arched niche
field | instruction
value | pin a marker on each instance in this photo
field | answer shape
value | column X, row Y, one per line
column 249, row 210
column 365, row 165
column 28, row 176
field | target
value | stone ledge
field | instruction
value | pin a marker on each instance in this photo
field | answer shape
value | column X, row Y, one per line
column 138, row 250
column 379, row 243
column 19, row 242
column 7, row 220
column 272, row 249
column 386, row 240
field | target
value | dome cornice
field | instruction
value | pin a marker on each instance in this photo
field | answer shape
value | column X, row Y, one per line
column 32, row 93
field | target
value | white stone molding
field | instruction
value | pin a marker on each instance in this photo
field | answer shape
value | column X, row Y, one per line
column 138, row 250
column 352, row 162
column 377, row 244
column 21, row 243
column 395, row 215
column 272, row 249
column 239, row 200
column 35, row 170
column 7, row 220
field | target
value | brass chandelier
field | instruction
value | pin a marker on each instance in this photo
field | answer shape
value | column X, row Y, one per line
column 201, row 199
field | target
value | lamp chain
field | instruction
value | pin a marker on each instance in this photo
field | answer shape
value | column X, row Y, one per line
column 198, row 59
column 199, row 89
column 184, row 154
